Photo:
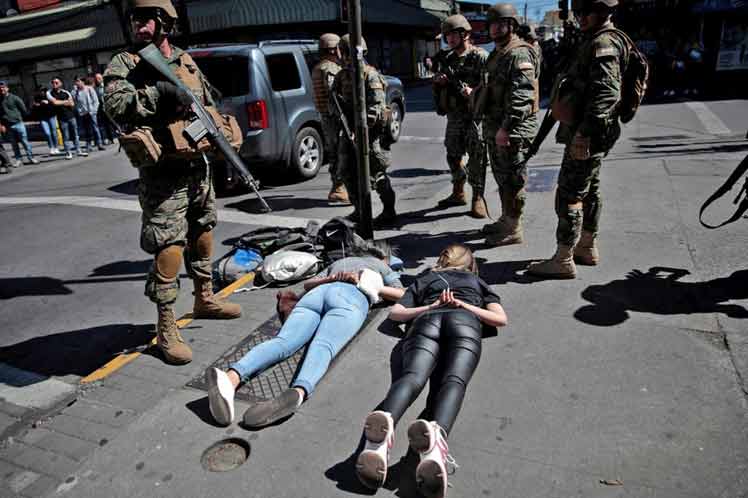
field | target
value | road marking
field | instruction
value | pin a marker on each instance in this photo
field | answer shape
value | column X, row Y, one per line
column 709, row 120
column 29, row 389
column 228, row 216
column 410, row 138
column 123, row 359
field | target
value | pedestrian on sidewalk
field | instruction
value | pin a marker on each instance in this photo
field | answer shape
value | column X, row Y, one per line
column 327, row 317
column 12, row 112
column 589, row 127
column 446, row 309
column 5, row 164
column 64, row 106
column 106, row 127
column 511, row 121
column 87, row 109
column 175, row 189
column 459, row 75
column 46, row 114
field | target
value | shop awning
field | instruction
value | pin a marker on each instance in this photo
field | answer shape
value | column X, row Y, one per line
column 61, row 33
column 226, row 14
column 720, row 6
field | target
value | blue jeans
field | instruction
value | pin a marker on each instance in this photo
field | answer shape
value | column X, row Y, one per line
column 90, row 129
column 49, row 126
column 69, row 129
column 17, row 133
column 329, row 315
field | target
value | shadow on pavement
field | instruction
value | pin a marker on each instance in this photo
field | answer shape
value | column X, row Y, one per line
column 659, row 291
column 416, row 172
column 78, row 352
column 32, row 286
column 201, row 408
column 130, row 187
column 502, row 272
column 122, row 268
column 284, row 202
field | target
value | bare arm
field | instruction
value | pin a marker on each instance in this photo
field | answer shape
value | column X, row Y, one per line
column 492, row 315
column 391, row 293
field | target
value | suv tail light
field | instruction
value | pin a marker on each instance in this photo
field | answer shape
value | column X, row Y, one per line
column 257, row 115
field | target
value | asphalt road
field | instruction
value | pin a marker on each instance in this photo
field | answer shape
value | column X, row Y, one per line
column 634, row 371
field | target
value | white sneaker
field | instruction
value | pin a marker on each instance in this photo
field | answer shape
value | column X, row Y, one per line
column 429, row 439
column 371, row 466
column 54, row 151
column 83, row 154
column 220, row 396
column 69, row 155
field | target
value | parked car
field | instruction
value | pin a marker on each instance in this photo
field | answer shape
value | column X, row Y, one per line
column 268, row 87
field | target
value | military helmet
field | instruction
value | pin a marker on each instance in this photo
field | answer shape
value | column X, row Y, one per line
column 500, row 11
column 345, row 43
column 455, row 22
column 164, row 5
column 328, row 40
column 579, row 5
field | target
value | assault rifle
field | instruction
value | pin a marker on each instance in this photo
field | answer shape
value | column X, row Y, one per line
column 545, row 128
column 343, row 119
column 203, row 125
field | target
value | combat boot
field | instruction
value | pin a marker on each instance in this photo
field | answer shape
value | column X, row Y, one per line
column 168, row 338
column 510, row 233
column 479, row 209
column 457, row 197
column 561, row 265
column 338, row 193
column 208, row 305
column 586, row 253
column 386, row 218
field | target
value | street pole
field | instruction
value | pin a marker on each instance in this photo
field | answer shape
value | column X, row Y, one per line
column 365, row 228
column 526, row 14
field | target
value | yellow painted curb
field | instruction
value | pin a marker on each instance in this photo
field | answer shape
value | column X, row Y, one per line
column 123, row 359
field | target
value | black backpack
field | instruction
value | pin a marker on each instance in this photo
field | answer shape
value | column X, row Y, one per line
column 339, row 239
column 267, row 240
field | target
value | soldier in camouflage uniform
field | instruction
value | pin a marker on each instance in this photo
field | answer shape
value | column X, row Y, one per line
column 323, row 76
column 510, row 122
column 380, row 157
column 589, row 128
column 458, row 76
column 176, row 195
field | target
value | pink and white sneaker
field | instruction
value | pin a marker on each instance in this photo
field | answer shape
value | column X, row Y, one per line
column 429, row 439
column 371, row 466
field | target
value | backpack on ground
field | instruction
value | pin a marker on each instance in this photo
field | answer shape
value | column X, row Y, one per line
column 339, row 239
column 236, row 264
column 267, row 240
column 634, row 79
column 288, row 267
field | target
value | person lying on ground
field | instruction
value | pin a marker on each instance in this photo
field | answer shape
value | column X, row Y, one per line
column 328, row 316
column 447, row 309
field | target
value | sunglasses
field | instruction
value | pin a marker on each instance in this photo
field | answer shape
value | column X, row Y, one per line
column 143, row 16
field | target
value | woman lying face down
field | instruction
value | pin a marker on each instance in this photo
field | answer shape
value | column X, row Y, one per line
column 327, row 317
column 447, row 309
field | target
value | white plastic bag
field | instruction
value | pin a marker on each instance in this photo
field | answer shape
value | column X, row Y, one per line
column 288, row 266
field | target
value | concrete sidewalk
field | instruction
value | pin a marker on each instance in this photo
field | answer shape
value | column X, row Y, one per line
column 635, row 371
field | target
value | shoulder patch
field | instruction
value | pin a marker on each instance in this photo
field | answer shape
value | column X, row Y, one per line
column 522, row 66
column 605, row 52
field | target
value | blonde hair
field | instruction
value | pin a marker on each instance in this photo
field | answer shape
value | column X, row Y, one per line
column 457, row 257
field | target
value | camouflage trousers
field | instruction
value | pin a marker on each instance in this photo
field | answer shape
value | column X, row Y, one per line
column 578, row 181
column 331, row 136
column 509, row 169
column 380, row 158
column 463, row 139
column 179, row 204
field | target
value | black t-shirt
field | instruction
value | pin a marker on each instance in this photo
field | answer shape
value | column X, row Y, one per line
column 62, row 112
column 465, row 286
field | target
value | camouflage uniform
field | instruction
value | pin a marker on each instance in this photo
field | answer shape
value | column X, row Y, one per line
column 380, row 157
column 463, row 133
column 512, row 104
column 176, row 196
column 323, row 76
column 595, row 74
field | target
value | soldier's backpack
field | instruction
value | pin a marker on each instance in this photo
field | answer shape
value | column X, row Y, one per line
column 339, row 239
column 267, row 240
column 634, row 80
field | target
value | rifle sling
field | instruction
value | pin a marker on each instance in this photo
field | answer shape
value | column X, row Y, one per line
column 726, row 187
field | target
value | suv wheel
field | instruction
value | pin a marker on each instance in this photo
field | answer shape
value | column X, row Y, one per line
column 396, row 122
column 306, row 155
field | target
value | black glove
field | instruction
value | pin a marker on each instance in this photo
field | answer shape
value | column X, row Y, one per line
column 173, row 94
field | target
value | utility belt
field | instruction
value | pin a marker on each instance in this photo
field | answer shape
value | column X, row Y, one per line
column 147, row 147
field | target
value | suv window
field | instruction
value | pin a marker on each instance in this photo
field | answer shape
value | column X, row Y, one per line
column 230, row 75
column 311, row 57
column 284, row 74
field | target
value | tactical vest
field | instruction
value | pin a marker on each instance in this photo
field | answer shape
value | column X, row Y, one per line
column 497, row 76
column 346, row 83
column 320, row 80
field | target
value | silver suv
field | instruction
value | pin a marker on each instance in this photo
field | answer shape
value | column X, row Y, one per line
column 268, row 87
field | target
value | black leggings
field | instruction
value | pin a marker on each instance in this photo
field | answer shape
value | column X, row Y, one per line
column 447, row 345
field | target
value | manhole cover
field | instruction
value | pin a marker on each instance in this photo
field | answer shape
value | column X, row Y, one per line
column 226, row 455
